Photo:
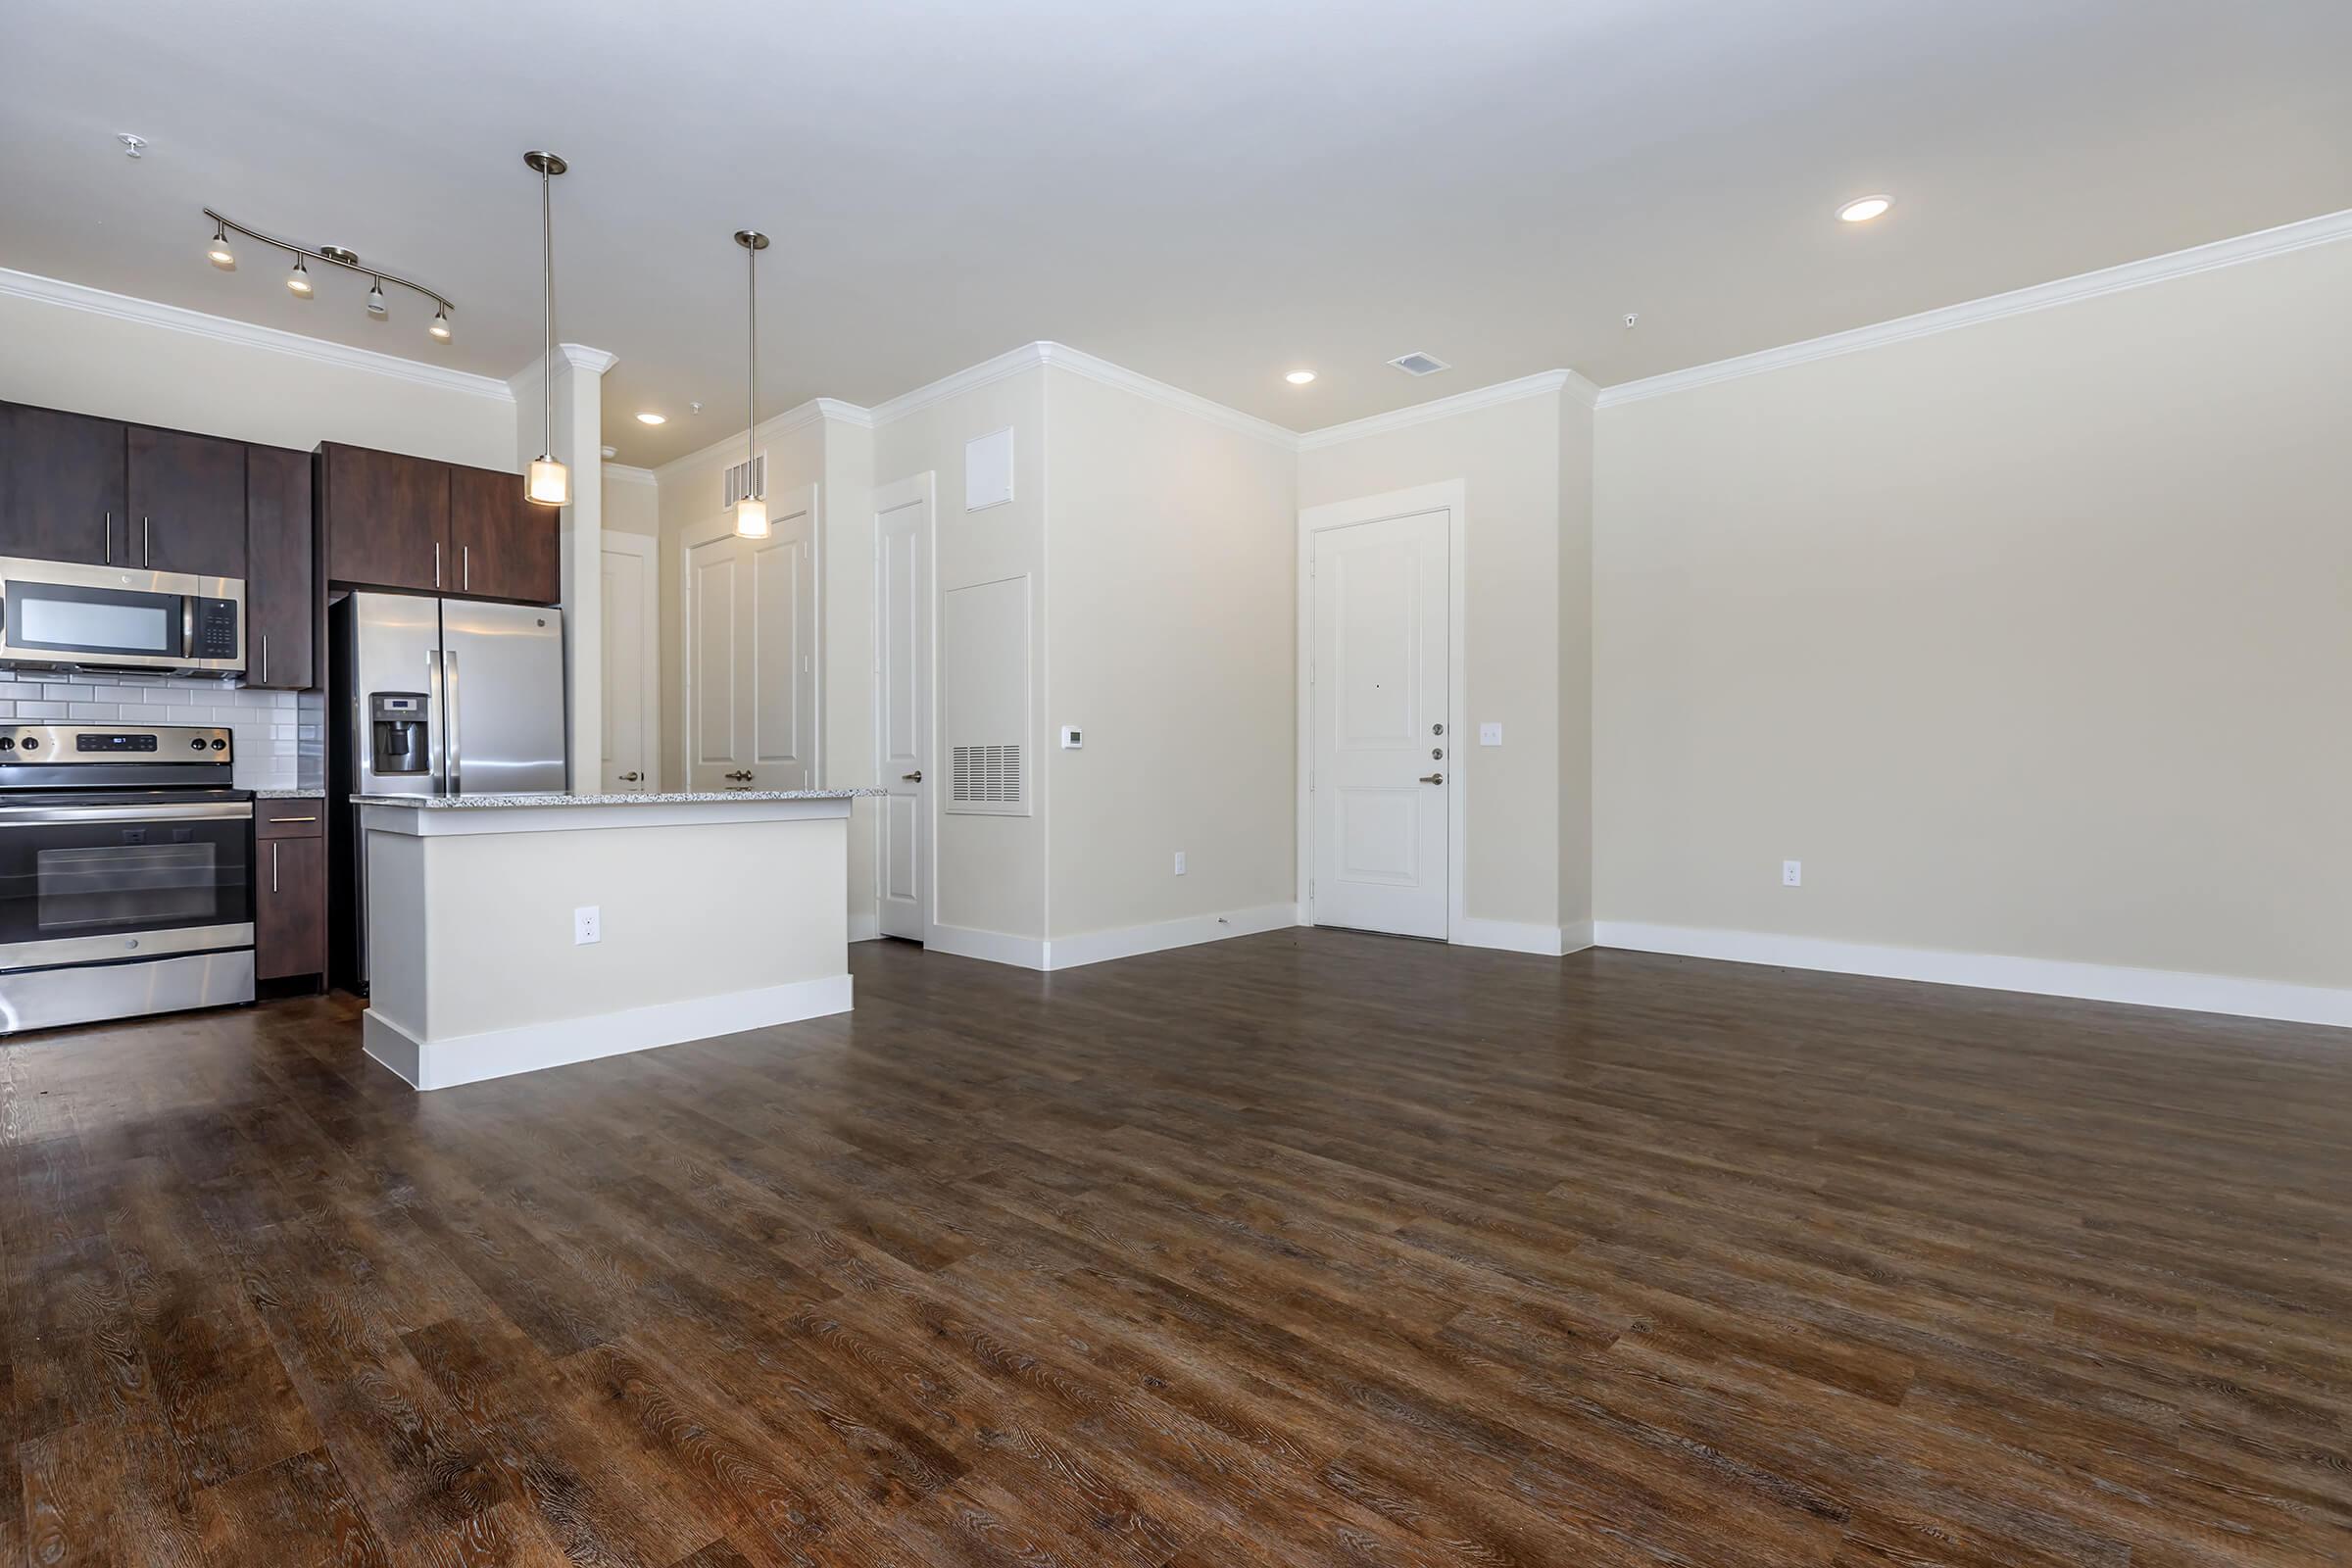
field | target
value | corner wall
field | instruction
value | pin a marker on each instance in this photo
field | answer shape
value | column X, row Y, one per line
column 2029, row 638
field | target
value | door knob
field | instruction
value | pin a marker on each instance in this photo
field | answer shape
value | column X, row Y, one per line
column 916, row 777
column 1432, row 778
column 629, row 779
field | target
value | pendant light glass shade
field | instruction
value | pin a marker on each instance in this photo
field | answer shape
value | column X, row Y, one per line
column 549, row 482
column 751, row 518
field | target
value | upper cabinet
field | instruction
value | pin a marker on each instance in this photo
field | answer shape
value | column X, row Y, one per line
column 185, row 507
column 506, row 547
column 62, row 491
column 282, row 604
column 387, row 518
column 394, row 521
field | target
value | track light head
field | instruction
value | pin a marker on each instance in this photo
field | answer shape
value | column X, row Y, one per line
column 439, row 327
column 375, row 299
column 298, row 281
column 220, row 255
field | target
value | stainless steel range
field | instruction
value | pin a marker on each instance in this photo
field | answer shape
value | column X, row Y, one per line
column 125, row 872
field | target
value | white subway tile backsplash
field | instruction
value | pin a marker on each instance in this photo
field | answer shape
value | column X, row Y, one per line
column 273, row 751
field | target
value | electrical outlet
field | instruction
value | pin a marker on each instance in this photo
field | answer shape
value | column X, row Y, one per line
column 1793, row 873
column 1180, row 862
column 587, row 925
column 1490, row 734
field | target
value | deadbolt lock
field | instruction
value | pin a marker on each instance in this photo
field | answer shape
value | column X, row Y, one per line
column 1437, row 754
column 1437, row 729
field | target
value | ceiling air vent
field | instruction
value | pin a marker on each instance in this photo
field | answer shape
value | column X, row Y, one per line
column 1419, row 363
column 755, row 469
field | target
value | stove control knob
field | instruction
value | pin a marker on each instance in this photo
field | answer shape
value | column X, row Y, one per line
column 7, row 743
column 197, row 743
column 220, row 746
column 33, row 742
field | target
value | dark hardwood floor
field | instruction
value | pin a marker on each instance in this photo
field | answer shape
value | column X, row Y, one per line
column 1308, row 1248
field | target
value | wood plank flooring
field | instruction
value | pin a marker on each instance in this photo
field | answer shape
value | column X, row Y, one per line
column 1308, row 1248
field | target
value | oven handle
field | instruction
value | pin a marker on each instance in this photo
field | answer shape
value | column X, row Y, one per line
column 40, row 816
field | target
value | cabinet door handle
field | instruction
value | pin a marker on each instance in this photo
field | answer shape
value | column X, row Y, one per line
column 466, row 566
column 274, row 869
column 146, row 542
column 292, row 819
column 109, row 538
column 265, row 658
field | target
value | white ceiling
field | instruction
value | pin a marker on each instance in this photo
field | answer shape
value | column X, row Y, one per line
column 1212, row 192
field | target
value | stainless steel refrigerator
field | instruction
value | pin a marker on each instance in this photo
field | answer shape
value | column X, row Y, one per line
column 434, row 697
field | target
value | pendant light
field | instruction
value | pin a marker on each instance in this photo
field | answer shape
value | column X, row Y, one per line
column 751, row 512
column 549, row 483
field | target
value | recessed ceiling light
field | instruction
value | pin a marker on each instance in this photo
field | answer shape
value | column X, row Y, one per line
column 1299, row 378
column 1866, row 208
column 653, row 418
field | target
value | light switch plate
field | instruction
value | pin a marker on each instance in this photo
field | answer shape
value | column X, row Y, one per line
column 1793, row 873
column 1490, row 734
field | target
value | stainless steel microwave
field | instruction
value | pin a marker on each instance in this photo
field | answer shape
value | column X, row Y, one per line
column 57, row 614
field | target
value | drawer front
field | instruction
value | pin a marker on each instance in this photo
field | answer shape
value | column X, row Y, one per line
column 289, row 819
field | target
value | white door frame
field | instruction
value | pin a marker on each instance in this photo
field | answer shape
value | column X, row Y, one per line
column 781, row 504
column 647, row 550
column 1448, row 496
column 891, row 497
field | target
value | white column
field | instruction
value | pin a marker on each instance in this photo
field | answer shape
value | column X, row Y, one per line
column 576, row 435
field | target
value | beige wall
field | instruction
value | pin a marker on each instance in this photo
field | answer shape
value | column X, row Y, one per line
column 2031, row 638
column 1509, row 455
column 1576, row 670
column 62, row 357
column 992, row 869
column 632, row 505
column 1173, row 550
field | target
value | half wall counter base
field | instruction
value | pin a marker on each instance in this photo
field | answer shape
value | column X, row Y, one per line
column 712, row 917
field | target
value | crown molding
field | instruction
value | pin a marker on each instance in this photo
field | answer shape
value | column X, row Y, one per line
column 220, row 330
column 728, row 449
column 581, row 357
column 1105, row 373
column 2267, row 242
column 1011, row 362
column 622, row 474
column 1484, row 397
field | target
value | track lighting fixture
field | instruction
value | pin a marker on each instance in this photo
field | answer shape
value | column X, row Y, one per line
column 302, row 286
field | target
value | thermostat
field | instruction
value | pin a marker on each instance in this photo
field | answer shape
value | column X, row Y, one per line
column 1072, row 738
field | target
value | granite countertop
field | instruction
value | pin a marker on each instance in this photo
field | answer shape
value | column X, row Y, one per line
column 445, row 802
column 290, row 795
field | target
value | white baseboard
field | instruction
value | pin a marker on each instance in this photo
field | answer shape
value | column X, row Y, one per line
column 2047, row 977
column 866, row 928
column 1513, row 936
column 499, row 1052
column 992, row 947
column 1095, row 947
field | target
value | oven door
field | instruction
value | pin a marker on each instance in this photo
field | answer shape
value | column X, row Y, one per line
column 88, row 883
column 112, row 619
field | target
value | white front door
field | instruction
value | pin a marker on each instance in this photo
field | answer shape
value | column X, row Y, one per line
column 903, row 703
column 1382, row 740
column 630, row 629
column 751, row 652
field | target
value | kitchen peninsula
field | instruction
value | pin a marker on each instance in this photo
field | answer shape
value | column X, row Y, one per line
column 513, row 932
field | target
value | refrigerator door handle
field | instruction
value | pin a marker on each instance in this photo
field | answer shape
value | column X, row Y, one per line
column 448, row 708
column 436, row 719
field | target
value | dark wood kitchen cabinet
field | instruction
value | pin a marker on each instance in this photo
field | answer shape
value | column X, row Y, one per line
column 387, row 518
column 282, row 590
column 506, row 547
column 289, row 901
column 62, row 491
column 185, row 504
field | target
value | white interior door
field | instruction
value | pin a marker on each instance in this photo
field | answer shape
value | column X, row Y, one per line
column 1382, row 738
column 630, row 629
column 751, row 652
column 902, row 703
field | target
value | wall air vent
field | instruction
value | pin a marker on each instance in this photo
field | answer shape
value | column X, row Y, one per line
column 1419, row 363
column 986, row 775
column 756, row 468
